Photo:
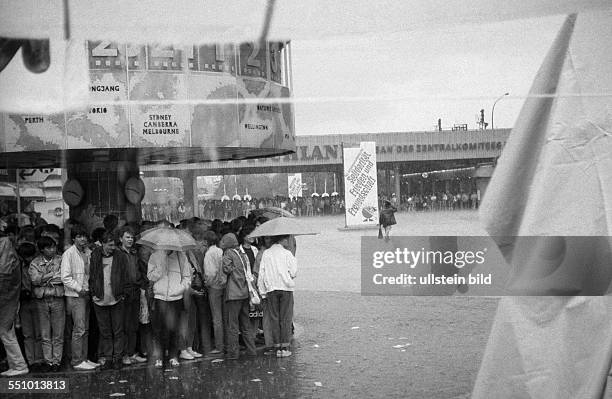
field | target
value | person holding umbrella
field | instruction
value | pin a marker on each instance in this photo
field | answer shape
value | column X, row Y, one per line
column 277, row 270
column 169, row 271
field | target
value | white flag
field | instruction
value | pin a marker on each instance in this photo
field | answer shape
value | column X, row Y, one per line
column 554, row 179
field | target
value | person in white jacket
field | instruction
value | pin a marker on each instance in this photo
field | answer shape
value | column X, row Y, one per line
column 277, row 271
column 170, row 273
column 75, row 277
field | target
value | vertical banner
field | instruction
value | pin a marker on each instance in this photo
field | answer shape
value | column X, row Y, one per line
column 360, row 182
column 294, row 185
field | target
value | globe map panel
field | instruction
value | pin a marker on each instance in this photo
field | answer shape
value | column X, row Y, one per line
column 105, row 123
column 264, row 125
column 220, row 118
column 33, row 132
column 163, row 125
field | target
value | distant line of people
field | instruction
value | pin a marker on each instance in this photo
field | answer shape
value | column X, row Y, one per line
column 306, row 206
column 231, row 209
column 440, row 201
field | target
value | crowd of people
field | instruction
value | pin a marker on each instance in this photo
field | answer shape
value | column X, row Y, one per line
column 103, row 300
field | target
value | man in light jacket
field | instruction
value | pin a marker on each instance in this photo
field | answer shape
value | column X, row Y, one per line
column 277, row 270
column 75, row 277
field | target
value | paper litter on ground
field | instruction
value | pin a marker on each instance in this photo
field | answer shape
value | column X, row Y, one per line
column 116, row 394
column 122, row 381
column 174, row 378
column 255, row 380
column 315, row 346
column 318, row 384
column 355, row 328
column 216, row 361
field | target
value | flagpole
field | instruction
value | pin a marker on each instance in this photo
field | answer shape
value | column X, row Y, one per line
column 18, row 193
column 344, row 184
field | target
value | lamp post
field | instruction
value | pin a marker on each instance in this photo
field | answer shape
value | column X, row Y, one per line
column 493, row 109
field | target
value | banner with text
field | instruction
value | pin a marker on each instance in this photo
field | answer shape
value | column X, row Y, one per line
column 294, row 185
column 361, row 192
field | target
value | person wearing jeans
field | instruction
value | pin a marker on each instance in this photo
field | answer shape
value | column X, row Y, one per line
column 106, row 281
column 48, row 291
column 75, row 277
column 10, row 286
column 236, row 266
column 28, row 314
column 216, row 281
column 266, row 321
column 277, row 270
column 127, row 259
column 196, row 303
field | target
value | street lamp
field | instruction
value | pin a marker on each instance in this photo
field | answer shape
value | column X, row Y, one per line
column 493, row 109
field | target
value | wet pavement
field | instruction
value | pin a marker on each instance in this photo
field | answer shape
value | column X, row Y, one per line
column 346, row 345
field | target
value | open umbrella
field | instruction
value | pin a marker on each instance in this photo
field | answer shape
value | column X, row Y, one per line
column 315, row 194
column 236, row 197
column 281, row 227
column 272, row 212
column 325, row 195
column 167, row 239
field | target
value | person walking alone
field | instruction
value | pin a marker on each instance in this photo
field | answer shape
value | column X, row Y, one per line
column 387, row 217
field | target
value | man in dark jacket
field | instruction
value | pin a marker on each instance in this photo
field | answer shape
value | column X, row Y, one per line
column 236, row 267
column 106, row 284
column 134, row 281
